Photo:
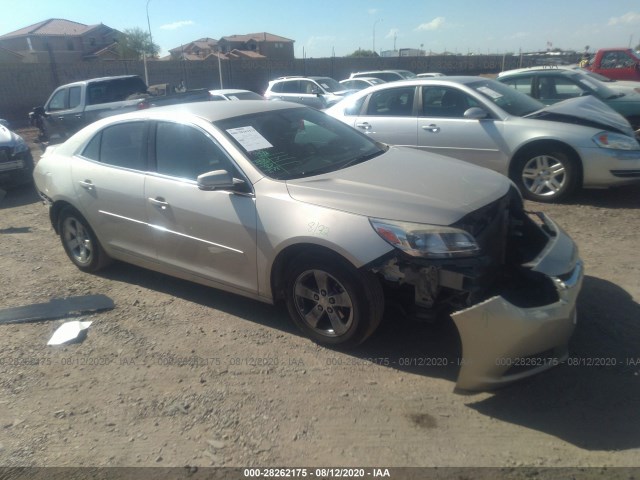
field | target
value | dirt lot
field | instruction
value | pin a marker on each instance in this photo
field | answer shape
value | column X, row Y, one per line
column 179, row 374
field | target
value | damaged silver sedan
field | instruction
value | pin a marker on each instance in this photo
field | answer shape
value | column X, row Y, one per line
column 279, row 202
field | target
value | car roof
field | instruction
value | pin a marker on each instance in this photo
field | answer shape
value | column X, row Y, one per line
column 227, row 91
column 458, row 79
column 362, row 78
column 210, row 111
column 100, row 79
column 542, row 68
column 298, row 77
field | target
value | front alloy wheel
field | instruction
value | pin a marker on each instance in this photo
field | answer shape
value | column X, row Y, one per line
column 546, row 177
column 332, row 302
column 323, row 303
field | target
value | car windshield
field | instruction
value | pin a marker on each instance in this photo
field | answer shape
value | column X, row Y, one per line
column 601, row 90
column 244, row 96
column 407, row 74
column 507, row 98
column 329, row 84
column 298, row 142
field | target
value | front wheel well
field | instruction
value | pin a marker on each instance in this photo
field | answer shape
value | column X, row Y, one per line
column 283, row 261
column 546, row 145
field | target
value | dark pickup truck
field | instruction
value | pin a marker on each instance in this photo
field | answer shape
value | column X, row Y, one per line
column 75, row 105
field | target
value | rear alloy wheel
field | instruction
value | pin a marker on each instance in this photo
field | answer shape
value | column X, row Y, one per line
column 80, row 243
column 332, row 302
column 546, row 176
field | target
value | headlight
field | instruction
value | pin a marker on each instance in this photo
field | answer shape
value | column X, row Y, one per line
column 428, row 241
column 20, row 146
column 615, row 141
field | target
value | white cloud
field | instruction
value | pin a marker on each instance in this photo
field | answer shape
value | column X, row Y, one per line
column 434, row 24
column 372, row 11
column 519, row 35
column 176, row 25
column 629, row 18
column 392, row 33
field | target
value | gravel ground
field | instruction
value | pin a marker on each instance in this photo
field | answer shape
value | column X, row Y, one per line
column 179, row 374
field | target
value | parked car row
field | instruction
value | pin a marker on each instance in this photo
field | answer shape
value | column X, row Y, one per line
column 548, row 151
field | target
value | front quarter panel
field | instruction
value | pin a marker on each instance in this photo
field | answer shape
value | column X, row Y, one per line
column 284, row 223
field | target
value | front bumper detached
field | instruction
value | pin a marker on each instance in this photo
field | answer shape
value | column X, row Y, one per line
column 502, row 342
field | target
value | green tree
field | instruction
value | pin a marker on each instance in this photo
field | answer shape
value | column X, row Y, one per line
column 363, row 53
column 134, row 42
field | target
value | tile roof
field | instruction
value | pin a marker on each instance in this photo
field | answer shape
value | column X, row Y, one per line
column 52, row 26
column 258, row 37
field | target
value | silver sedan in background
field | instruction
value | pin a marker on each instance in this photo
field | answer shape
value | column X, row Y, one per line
column 548, row 151
column 280, row 202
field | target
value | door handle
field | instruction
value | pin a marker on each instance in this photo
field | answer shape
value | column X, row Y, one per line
column 86, row 184
column 364, row 126
column 78, row 115
column 60, row 118
column 159, row 202
column 433, row 128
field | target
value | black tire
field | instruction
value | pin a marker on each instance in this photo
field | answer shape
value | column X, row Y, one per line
column 546, row 175
column 331, row 302
column 80, row 242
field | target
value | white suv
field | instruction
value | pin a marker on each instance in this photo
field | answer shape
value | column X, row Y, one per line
column 317, row 92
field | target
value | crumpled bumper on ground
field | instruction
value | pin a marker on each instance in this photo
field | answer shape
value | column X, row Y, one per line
column 502, row 342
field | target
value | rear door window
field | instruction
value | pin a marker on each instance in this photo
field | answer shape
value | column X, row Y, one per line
column 522, row 84
column 122, row 145
column 392, row 102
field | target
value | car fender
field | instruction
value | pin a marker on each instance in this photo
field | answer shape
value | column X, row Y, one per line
column 348, row 235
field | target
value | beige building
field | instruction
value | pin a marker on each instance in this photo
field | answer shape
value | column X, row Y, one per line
column 253, row 45
column 61, row 40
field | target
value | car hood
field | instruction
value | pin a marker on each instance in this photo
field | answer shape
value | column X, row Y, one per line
column 404, row 184
column 587, row 111
column 628, row 96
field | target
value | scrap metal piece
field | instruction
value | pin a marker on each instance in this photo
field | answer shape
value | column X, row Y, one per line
column 56, row 308
column 69, row 332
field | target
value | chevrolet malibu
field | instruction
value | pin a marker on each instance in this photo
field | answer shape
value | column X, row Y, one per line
column 548, row 151
column 280, row 202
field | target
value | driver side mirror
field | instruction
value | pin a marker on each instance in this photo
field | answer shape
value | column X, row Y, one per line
column 475, row 113
column 218, row 180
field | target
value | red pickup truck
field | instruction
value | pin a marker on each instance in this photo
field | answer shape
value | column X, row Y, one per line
column 616, row 64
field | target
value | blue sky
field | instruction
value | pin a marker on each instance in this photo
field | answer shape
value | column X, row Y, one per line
column 326, row 27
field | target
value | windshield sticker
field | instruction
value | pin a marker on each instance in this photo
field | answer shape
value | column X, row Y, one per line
column 264, row 162
column 249, row 138
column 490, row 93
